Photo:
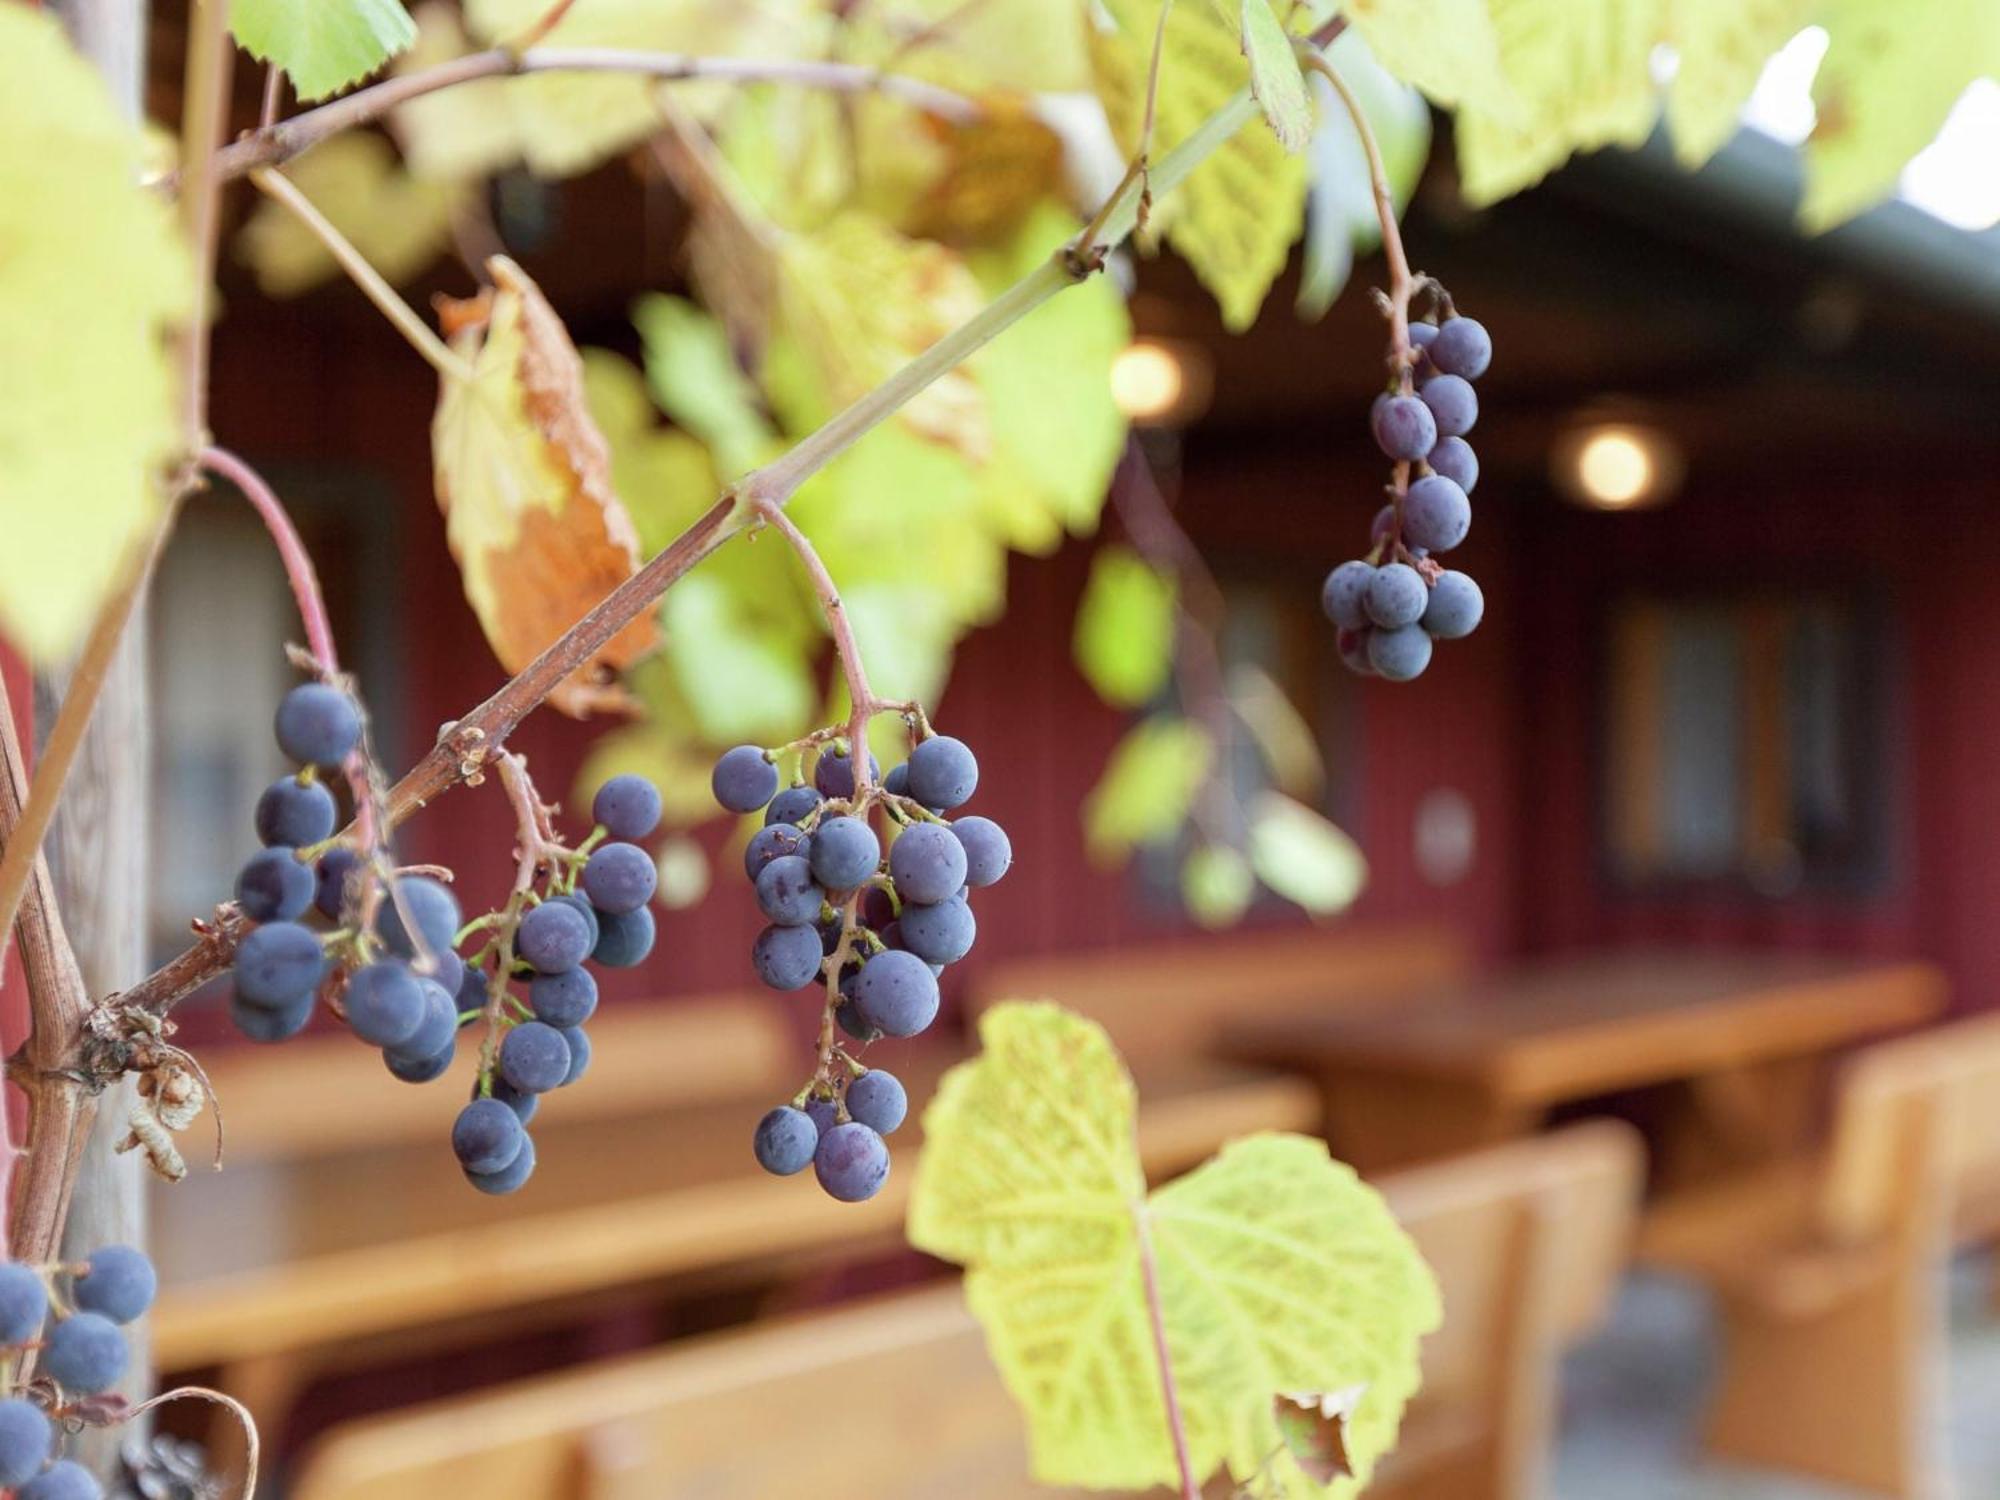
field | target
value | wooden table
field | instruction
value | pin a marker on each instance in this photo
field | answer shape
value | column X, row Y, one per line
column 1458, row 1067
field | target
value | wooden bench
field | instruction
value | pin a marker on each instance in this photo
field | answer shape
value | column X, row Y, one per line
column 1174, row 999
column 1526, row 1240
column 1826, row 1268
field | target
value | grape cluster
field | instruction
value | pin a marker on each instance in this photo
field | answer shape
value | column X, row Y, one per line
column 83, row 1351
column 878, row 930
column 1393, row 604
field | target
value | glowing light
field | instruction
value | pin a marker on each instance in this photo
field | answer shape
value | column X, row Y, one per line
column 1617, row 465
column 1148, row 380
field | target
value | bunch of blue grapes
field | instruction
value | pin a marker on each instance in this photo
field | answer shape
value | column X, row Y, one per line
column 876, row 927
column 1393, row 604
column 82, row 1350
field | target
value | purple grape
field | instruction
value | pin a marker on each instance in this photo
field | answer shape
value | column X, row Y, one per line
column 897, row 782
column 65, row 1479
column 553, row 937
column 786, row 958
column 623, row 941
column 989, row 853
column 927, row 863
column 1399, row 654
column 1422, row 334
column 25, row 1436
column 788, row 894
column 563, row 1000
column 274, row 887
column 534, row 1057
column 471, row 992
column 943, row 773
column 629, row 806
column 438, row 1029
column 824, row 1114
column 581, row 905
column 878, row 1100
column 330, row 887
column 1342, row 594
column 1462, row 348
column 1453, row 457
column 852, row 1162
column 24, row 1303
column 850, row 1020
column 744, row 780
column 773, row 841
column 522, row 1103
column 793, row 805
column 878, row 908
column 941, row 933
column 1404, row 427
column 1353, row 648
column 1452, row 403
column 1396, row 596
column 619, row 878
column 510, row 1177
column 292, row 814
column 85, row 1353
column 277, row 965
column 266, row 1024
column 120, row 1283
column 833, row 773
column 579, row 1054
column 421, row 1069
column 385, row 1003
column 845, row 852
column 785, row 1141
column 896, row 993
column 431, row 905
column 1436, row 514
column 317, row 725
column 1455, row 608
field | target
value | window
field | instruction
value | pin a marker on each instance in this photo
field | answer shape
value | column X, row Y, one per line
column 1745, row 743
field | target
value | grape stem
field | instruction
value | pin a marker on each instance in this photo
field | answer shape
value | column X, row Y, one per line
column 299, row 571
column 535, row 845
column 1156, row 1317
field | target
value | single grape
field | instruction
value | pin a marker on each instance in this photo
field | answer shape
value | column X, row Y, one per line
column 1383, row 524
column 437, row 1031
column 330, row 884
column 120, row 1283
column 273, row 886
column 510, row 1177
column 1422, row 334
column 774, row 841
column 450, row 971
column 1342, row 595
column 927, row 863
column 788, row 894
column 785, row 1141
column 534, row 1057
column 579, row 1054
column 1436, row 514
column 385, row 1003
column 1404, row 427
column 941, row 933
column 24, row 1303
column 943, row 773
column 1452, row 402
column 623, row 941
column 852, row 1162
column 824, row 1114
column 486, row 1135
column 989, row 853
column 793, row 805
column 1353, row 648
column 583, row 908
column 1396, row 595
column 563, row 1000
column 1455, row 608
column 845, row 852
column 629, row 806
column 25, row 1436
column 292, row 814
column 786, row 958
column 430, row 904
column 829, row 934
column 833, row 773
column 897, row 782
column 1399, row 654
column 1453, row 457
column 848, row 1015
column 619, row 878
column 421, row 1069
column 553, row 937
column 524, row 1105
column 877, row 1099
column 896, row 994
column 85, row 1353
column 878, row 907
column 1463, row 348
column 317, row 725
column 471, row 992
column 743, row 781
column 278, row 964
column 65, row 1479
column 265, row 1024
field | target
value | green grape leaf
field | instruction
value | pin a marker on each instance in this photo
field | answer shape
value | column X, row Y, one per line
column 1125, row 627
column 1235, row 218
column 93, row 276
column 905, row 632
column 323, row 45
column 1289, row 746
column 1275, row 76
column 1216, row 885
column 467, row 130
column 1582, row 77
column 399, row 222
column 1303, row 857
column 664, row 476
column 743, row 682
column 1147, row 787
column 1890, row 76
column 1277, row 1269
column 695, row 378
column 1722, row 46
column 1447, row 48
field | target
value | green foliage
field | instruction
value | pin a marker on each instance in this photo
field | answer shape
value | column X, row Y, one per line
column 398, row 221
column 93, row 275
column 1217, row 884
column 1275, row 76
column 1303, row 857
column 1125, row 627
column 323, row 45
column 1147, row 787
column 1030, row 1179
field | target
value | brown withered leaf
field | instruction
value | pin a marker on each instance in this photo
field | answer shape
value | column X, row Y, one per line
column 1313, row 1425
column 524, row 480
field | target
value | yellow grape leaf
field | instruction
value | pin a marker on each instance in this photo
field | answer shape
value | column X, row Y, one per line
column 467, row 130
column 399, row 222
column 1216, row 885
column 987, row 176
column 92, row 278
column 1722, row 46
column 1235, row 218
column 1278, row 1270
column 1447, row 48
column 1890, row 76
column 1124, row 640
column 323, row 45
column 1303, row 857
column 1582, row 77
column 1147, row 788
column 1275, row 76
column 523, row 477
column 1027, row 46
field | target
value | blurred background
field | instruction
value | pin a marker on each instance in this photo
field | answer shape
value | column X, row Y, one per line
column 1692, row 832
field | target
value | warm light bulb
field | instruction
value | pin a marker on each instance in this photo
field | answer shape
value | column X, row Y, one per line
column 1147, row 381
column 1614, row 469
